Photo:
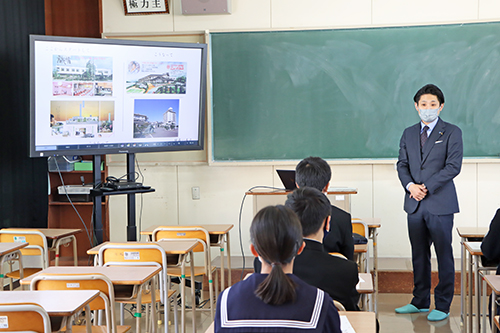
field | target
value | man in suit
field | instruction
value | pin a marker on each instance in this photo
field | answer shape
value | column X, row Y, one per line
column 315, row 172
column 337, row 276
column 430, row 156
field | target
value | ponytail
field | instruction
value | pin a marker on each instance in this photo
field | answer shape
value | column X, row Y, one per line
column 276, row 234
column 277, row 288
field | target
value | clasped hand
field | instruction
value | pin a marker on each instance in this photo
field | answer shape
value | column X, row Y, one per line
column 418, row 191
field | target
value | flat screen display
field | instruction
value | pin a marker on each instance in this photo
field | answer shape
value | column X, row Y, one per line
column 105, row 96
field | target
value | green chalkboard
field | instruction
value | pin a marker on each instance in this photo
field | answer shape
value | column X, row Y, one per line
column 349, row 93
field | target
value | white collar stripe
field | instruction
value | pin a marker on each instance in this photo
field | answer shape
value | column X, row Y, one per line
column 313, row 322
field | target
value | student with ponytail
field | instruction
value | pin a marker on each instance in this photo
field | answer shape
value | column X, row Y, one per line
column 275, row 300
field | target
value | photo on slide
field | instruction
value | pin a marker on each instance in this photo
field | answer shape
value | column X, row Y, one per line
column 156, row 77
column 156, row 118
column 90, row 76
column 82, row 119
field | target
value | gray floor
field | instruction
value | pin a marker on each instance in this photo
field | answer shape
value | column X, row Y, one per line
column 388, row 319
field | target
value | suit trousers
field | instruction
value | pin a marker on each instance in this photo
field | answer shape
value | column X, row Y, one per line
column 425, row 229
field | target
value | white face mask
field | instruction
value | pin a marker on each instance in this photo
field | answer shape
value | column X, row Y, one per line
column 428, row 115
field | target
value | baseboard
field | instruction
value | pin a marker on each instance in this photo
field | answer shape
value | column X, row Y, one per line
column 397, row 282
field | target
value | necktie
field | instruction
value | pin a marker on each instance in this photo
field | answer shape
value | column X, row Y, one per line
column 423, row 136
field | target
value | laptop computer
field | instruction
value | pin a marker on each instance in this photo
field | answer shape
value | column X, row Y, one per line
column 287, row 178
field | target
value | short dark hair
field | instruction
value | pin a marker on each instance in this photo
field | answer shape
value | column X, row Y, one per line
column 313, row 172
column 276, row 234
column 311, row 206
column 429, row 89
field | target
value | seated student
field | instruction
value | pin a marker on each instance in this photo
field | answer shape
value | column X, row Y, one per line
column 315, row 172
column 276, row 300
column 337, row 276
column 490, row 245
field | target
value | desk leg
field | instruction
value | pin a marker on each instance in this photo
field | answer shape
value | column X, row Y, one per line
column 483, row 302
column 477, row 281
column 183, row 295
column 154, row 323
column 228, row 247
column 463, row 277
column 138, row 311
column 88, row 324
column 69, row 324
column 470, row 297
column 75, row 251
column 375, row 271
column 222, row 272
column 193, row 297
column 21, row 270
column 494, row 328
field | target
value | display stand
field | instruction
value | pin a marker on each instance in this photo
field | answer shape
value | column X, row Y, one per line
column 97, row 196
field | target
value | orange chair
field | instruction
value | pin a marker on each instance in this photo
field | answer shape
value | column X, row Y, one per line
column 190, row 233
column 361, row 228
column 143, row 254
column 24, row 317
column 98, row 282
column 37, row 247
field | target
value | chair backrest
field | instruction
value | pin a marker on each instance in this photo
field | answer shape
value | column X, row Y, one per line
column 360, row 228
column 23, row 317
column 36, row 239
column 93, row 281
column 132, row 253
column 338, row 254
column 339, row 305
column 184, row 233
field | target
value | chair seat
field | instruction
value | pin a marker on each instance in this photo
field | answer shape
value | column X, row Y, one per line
column 99, row 329
column 198, row 270
column 145, row 297
column 27, row 272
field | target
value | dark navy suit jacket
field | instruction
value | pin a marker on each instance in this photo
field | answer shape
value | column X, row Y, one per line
column 439, row 163
column 490, row 245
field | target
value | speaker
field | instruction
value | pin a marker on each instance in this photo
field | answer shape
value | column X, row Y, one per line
column 202, row 7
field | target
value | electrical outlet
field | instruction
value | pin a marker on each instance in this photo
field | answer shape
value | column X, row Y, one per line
column 195, row 192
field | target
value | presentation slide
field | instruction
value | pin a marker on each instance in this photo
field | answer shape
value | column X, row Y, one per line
column 115, row 96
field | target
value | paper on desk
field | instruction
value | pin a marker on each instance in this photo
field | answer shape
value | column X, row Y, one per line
column 359, row 282
column 345, row 325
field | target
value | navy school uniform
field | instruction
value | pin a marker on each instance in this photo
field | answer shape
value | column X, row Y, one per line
column 239, row 310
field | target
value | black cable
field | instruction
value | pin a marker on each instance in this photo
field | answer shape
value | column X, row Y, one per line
column 239, row 221
column 70, row 201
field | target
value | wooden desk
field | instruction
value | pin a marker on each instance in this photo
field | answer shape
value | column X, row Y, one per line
column 494, row 282
column 57, row 237
column 57, row 303
column 365, row 289
column 466, row 234
column 361, row 321
column 365, row 286
column 177, row 247
column 119, row 276
column 362, row 250
column 219, row 236
column 475, row 253
column 10, row 251
column 338, row 196
column 373, row 224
